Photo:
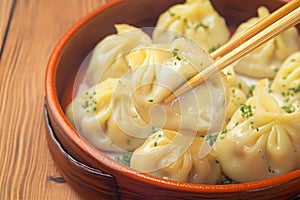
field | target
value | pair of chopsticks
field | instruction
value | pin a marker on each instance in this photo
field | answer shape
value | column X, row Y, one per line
column 279, row 21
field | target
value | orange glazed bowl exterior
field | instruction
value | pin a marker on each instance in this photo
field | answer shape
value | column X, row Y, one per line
column 89, row 171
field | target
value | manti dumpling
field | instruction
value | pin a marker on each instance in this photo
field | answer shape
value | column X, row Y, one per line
column 261, row 140
column 286, row 83
column 195, row 19
column 108, row 57
column 159, row 70
column 265, row 61
column 106, row 117
column 176, row 156
column 239, row 92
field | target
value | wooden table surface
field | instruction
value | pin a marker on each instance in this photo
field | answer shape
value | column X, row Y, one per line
column 29, row 31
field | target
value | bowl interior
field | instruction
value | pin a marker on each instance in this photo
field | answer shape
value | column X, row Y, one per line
column 83, row 37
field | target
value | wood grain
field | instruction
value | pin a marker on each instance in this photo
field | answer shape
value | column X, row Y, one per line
column 27, row 170
column 6, row 10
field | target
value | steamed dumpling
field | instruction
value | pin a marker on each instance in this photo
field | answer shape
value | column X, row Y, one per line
column 175, row 156
column 195, row 19
column 238, row 92
column 265, row 61
column 106, row 117
column 108, row 58
column 160, row 69
column 286, row 83
column 261, row 140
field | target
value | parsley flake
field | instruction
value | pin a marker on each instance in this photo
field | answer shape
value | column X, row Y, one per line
column 201, row 25
column 150, row 100
column 246, row 110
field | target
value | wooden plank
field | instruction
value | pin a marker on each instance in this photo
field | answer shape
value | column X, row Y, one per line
column 5, row 10
column 27, row 170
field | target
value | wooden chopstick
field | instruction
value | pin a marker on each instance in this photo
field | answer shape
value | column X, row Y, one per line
column 290, row 18
column 255, row 29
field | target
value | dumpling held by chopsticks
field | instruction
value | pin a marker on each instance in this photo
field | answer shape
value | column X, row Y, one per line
column 159, row 70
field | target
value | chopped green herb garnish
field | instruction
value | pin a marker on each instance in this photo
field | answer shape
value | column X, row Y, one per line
column 246, row 110
column 287, row 100
column 212, row 49
column 287, row 109
column 124, row 158
column 85, row 105
column 224, row 131
column 201, row 25
column 270, row 90
column 175, row 51
column 240, row 86
column 211, row 138
column 295, row 89
column 150, row 100
column 251, row 88
column 171, row 13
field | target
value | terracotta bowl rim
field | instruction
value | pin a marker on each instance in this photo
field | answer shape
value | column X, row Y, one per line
column 57, row 111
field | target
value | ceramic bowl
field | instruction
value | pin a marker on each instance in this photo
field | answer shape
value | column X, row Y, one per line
column 89, row 171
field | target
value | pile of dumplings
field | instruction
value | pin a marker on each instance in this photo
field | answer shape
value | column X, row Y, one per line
column 242, row 124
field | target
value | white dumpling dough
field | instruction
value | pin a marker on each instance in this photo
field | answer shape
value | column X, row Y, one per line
column 286, row 84
column 106, row 117
column 108, row 57
column 261, row 140
column 265, row 61
column 176, row 156
column 195, row 19
column 238, row 92
column 160, row 69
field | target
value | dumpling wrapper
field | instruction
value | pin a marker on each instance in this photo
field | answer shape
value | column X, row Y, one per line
column 197, row 20
column 265, row 61
column 108, row 57
column 159, row 70
column 261, row 140
column 176, row 156
column 286, row 84
column 238, row 92
column 106, row 117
